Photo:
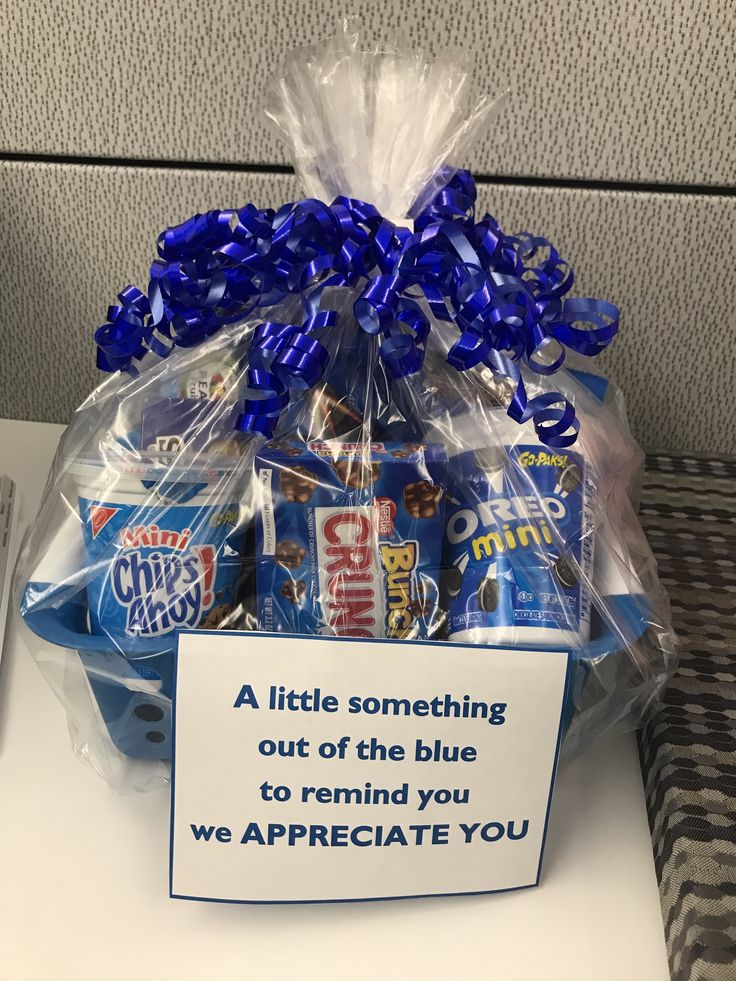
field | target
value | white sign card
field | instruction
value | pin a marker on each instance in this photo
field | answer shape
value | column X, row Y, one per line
column 312, row 769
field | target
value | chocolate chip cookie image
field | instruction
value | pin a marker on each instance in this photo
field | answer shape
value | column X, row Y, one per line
column 216, row 617
column 564, row 573
column 421, row 499
column 293, row 590
column 357, row 472
column 297, row 484
column 488, row 595
column 289, row 554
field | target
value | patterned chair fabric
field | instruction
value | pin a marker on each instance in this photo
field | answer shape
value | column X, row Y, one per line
column 688, row 748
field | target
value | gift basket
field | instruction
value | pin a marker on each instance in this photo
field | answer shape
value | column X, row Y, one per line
column 355, row 418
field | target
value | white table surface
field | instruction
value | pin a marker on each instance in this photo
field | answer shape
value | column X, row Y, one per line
column 84, row 873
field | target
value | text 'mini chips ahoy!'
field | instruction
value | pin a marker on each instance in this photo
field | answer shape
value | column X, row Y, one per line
column 349, row 537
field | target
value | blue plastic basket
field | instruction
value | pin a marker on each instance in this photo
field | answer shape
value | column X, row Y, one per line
column 133, row 688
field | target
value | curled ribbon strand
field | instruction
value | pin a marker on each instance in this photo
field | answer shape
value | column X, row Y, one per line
column 506, row 296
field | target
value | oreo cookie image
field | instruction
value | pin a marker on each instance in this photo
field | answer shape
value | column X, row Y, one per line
column 452, row 580
column 491, row 459
column 564, row 573
column 488, row 595
column 568, row 479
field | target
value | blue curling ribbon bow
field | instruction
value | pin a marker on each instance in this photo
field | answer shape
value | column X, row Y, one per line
column 506, row 297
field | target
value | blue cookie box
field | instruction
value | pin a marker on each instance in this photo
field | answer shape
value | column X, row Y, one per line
column 302, row 524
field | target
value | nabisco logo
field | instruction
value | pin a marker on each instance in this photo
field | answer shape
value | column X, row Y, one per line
column 350, row 580
column 99, row 515
column 168, row 586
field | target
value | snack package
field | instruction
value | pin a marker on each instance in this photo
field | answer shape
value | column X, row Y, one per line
column 363, row 413
column 347, row 545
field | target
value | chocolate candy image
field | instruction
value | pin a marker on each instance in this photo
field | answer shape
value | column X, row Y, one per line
column 284, row 446
column 423, row 602
column 452, row 579
column 564, row 573
column 289, row 554
column 331, row 415
column 297, row 484
column 569, row 478
column 407, row 450
column 421, row 498
column 420, row 607
column 293, row 590
column 488, row 595
column 357, row 472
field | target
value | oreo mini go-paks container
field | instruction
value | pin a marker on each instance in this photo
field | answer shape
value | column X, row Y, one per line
column 519, row 532
column 515, row 546
column 349, row 537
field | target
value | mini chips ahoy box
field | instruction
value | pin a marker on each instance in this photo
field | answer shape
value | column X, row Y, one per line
column 349, row 537
column 164, row 570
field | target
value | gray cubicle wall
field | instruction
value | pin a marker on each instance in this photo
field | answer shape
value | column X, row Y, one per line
column 121, row 117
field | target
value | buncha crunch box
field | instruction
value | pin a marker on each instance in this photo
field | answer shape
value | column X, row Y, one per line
column 349, row 537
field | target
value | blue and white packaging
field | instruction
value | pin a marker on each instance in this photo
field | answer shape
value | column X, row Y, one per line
column 519, row 541
column 158, row 563
column 349, row 537
column 201, row 424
